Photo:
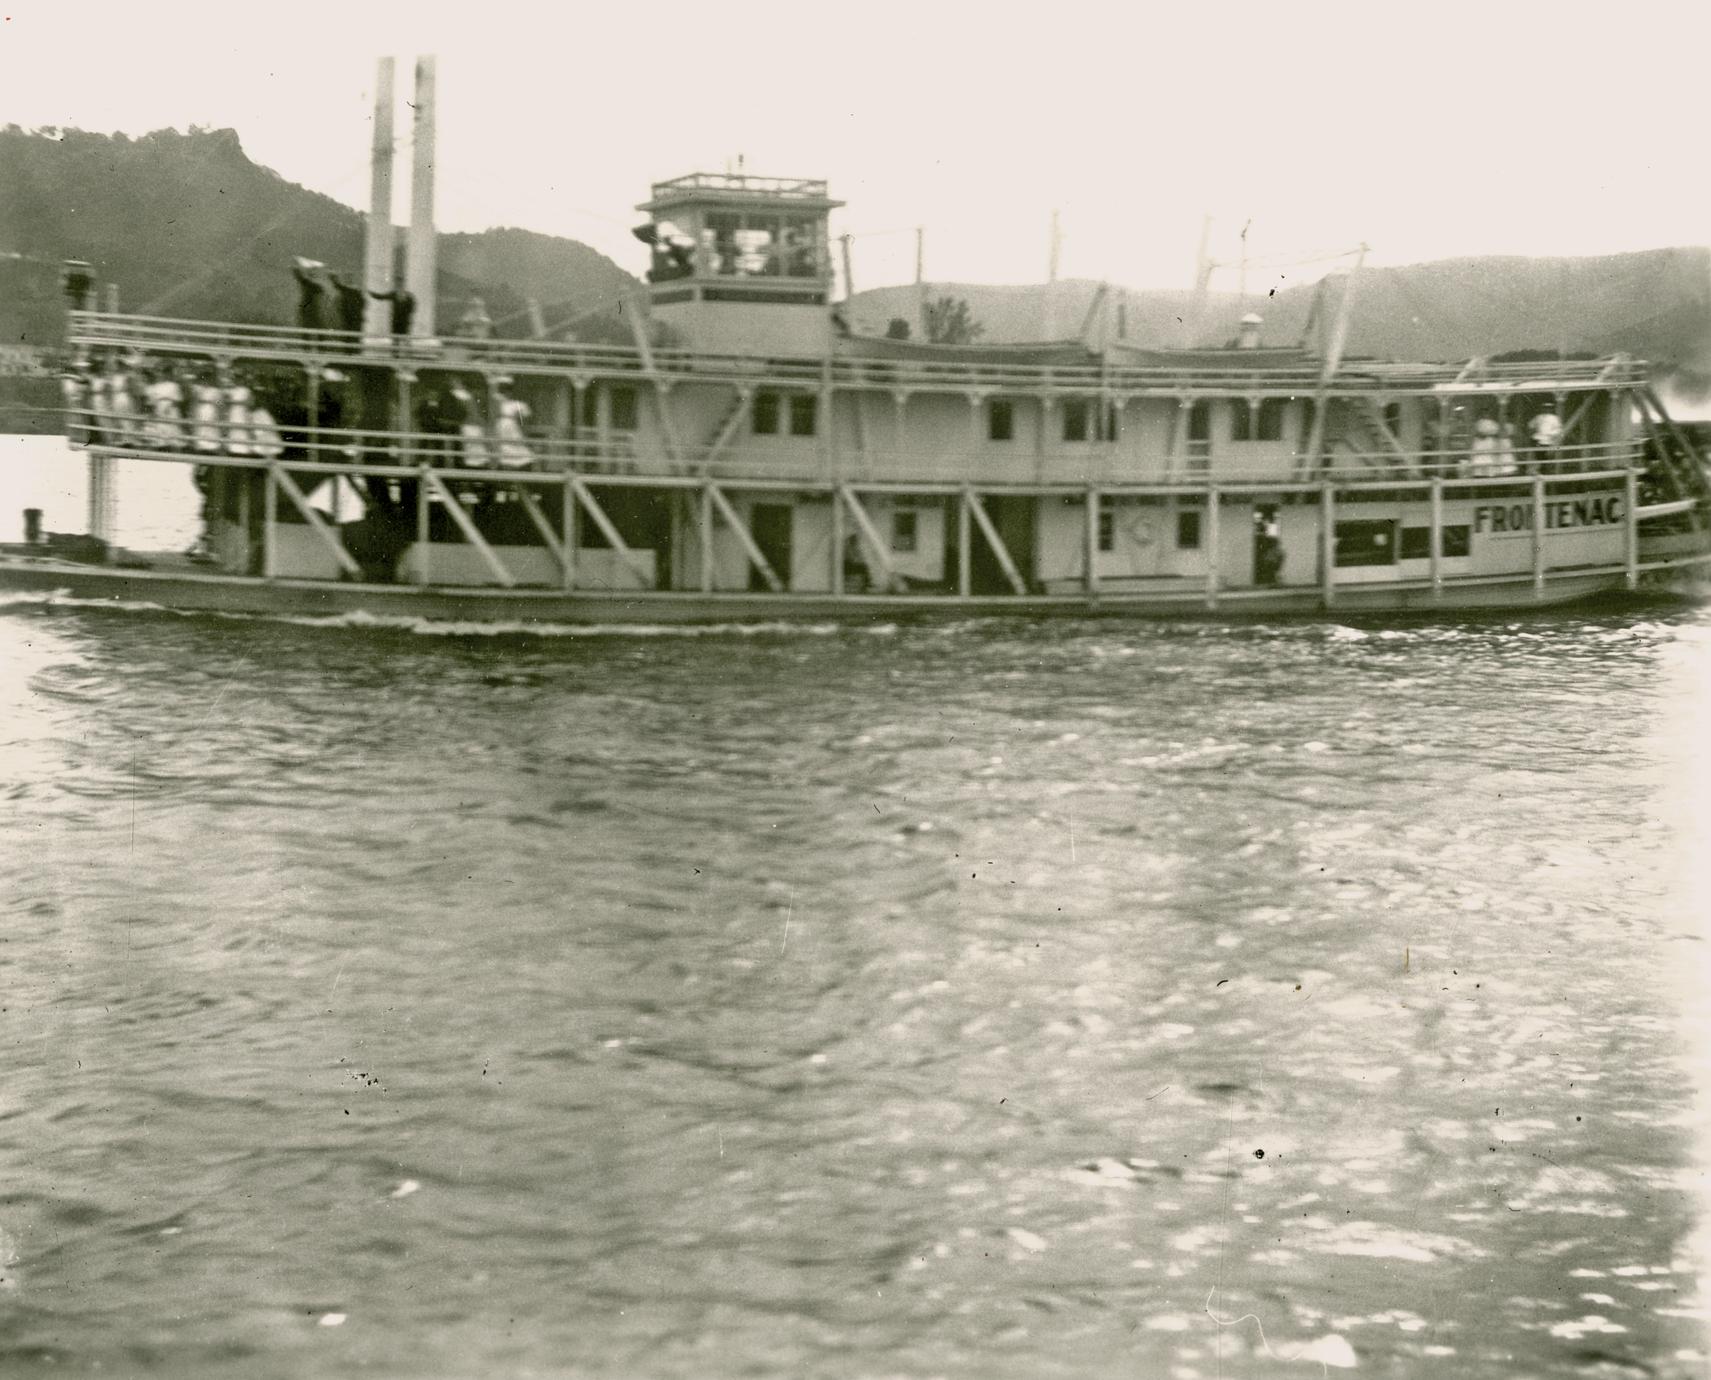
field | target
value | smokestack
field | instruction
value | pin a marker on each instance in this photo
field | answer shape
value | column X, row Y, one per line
column 378, row 247
column 421, row 261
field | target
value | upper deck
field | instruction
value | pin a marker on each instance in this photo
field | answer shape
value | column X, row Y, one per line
column 856, row 363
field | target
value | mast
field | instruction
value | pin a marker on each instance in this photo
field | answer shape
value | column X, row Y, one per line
column 421, row 259
column 377, row 247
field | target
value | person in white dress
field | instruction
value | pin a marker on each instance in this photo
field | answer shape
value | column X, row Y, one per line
column 122, row 405
column 205, row 418
column 514, row 452
column 472, row 434
column 79, row 409
column 166, row 412
column 264, row 431
column 1483, row 457
column 238, row 400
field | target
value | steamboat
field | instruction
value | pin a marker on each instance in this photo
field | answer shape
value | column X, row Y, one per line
column 747, row 455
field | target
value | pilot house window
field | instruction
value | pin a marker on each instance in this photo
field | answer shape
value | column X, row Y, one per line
column 1075, row 414
column 1000, row 420
column 1271, row 414
column 802, row 413
column 765, row 414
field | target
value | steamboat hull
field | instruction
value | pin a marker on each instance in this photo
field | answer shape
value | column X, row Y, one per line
column 195, row 592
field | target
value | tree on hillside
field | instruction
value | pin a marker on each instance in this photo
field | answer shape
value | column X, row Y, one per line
column 949, row 322
column 897, row 329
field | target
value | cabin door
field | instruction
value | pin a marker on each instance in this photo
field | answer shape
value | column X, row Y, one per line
column 769, row 524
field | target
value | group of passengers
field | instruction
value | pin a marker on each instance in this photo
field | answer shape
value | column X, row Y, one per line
column 1495, row 452
column 326, row 302
column 159, row 407
column 480, row 428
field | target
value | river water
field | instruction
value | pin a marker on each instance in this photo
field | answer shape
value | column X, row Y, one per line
column 998, row 999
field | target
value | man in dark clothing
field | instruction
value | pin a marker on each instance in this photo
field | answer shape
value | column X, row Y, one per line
column 403, row 307
column 350, row 305
column 311, row 295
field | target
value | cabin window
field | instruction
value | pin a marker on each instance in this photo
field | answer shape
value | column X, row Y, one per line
column 1393, row 419
column 1200, row 431
column 1241, row 421
column 624, row 409
column 1366, row 542
column 1000, row 420
column 1113, row 420
column 1417, row 542
column 764, row 416
column 1075, row 420
column 904, row 529
column 803, row 408
column 1107, row 530
column 1272, row 411
column 1188, row 530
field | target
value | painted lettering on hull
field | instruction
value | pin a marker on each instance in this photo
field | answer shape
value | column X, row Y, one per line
column 1561, row 514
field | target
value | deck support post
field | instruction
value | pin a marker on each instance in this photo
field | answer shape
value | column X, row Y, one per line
column 1212, row 541
column 567, row 517
column 317, row 525
column 549, row 538
column 1631, row 531
column 269, row 516
column 1538, row 536
column 706, row 537
column 993, row 540
column 424, row 530
column 878, row 555
column 1092, row 534
column 713, row 494
column 836, row 573
column 965, row 555
column 1437, row 538
column 1327, row 544
column 471, row 534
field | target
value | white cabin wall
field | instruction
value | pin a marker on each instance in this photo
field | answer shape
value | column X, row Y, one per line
column 811, row 545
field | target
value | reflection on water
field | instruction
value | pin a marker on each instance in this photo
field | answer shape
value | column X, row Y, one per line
column 1003, row 1000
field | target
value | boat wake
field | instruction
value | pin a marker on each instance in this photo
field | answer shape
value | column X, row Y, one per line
column 430, row 627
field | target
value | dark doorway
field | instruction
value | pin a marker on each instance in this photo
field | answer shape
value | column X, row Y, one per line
column 1013, row 519
column 769, row 524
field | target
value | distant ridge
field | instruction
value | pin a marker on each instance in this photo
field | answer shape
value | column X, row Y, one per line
column 188, row 225
column 1654, row 303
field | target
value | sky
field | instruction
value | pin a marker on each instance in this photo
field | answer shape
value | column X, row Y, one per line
column 1425, row 130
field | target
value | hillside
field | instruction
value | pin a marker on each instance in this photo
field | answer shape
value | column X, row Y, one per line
column 1656, row 303
column 188, row 225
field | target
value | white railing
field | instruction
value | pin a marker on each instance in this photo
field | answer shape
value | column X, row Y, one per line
column 489, row 457
column 976, row 376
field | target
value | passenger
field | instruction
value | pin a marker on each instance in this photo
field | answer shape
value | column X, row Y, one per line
column 122, row 403
column 264, row 431
column 311, row 294
column 350, row 304
column 1506, row 463
column 472, row 434
column 205, row 418
column 514, row 452
column 166, row 412
column 403, row 307
column 1482, row 459
column 1545, row 431
column 238, row 400
column 79, row 415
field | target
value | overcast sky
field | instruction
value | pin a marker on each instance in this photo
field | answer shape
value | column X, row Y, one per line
column 1428, row 130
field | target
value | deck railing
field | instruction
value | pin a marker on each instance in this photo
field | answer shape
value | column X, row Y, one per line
column 490, row 457
column 977, row 378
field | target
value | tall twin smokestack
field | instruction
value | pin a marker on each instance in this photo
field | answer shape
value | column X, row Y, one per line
column 378, row 253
